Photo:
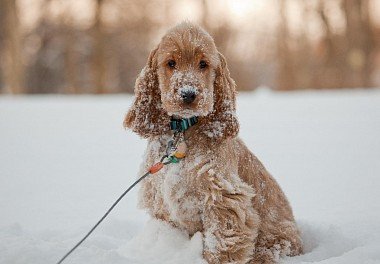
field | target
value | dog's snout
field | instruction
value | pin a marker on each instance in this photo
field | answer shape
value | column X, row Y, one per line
column 188, row 96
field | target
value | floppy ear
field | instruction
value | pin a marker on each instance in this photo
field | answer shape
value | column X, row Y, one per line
column 222, row 123
column 146, row 116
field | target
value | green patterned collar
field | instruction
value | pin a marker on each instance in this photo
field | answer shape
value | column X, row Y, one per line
column 182, row 124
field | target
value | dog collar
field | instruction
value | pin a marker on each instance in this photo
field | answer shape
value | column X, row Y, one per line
column 182, row 124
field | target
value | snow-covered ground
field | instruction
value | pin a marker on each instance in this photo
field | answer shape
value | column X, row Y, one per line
column 64, row 160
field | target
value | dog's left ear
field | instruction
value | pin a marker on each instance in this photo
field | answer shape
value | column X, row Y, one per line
column 146, row 116
column 222, row 122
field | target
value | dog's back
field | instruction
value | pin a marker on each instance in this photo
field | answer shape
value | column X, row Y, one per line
column 278, row 230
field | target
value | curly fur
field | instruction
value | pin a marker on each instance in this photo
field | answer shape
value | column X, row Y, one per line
column 220, row 189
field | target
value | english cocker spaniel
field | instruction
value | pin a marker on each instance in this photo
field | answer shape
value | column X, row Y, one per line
column 220, row 188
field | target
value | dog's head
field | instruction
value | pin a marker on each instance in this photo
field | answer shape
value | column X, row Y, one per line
column 185, row 76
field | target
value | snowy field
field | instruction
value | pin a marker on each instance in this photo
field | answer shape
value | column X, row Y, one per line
column 64, row 160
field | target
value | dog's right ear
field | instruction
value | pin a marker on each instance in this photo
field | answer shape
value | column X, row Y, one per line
column 146, row 116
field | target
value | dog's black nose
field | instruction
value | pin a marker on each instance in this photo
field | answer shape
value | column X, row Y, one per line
column 188, row 96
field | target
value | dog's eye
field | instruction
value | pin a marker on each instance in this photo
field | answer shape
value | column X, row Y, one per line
column 202, row 64
column 171, row 63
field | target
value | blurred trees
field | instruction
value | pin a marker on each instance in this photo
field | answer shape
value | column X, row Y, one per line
column 99, row 46
column 340, row 57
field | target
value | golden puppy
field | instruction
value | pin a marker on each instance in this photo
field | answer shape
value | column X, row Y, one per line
column 220, row 188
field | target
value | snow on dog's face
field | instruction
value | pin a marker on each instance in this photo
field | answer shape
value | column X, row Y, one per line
column 186, row 63
column 184, row 76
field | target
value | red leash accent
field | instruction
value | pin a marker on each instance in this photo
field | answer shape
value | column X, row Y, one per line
column 156, row 167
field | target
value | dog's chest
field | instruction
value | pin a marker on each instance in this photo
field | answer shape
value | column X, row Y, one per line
column 177, row 190
column 179, row 194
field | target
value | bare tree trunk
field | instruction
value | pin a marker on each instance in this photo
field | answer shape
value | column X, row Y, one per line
column 328, row 31
column 99, row 71
column 304, row 62
column 331, row 68
column 360, row 42
column 70, row 55
column 286, row 77
column 71, row 62
column 13, row 67
column 368, row 43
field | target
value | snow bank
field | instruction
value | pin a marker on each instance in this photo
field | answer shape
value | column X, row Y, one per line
column 64, row 160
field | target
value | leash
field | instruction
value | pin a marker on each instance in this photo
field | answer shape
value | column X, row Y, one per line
column 175, row 151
